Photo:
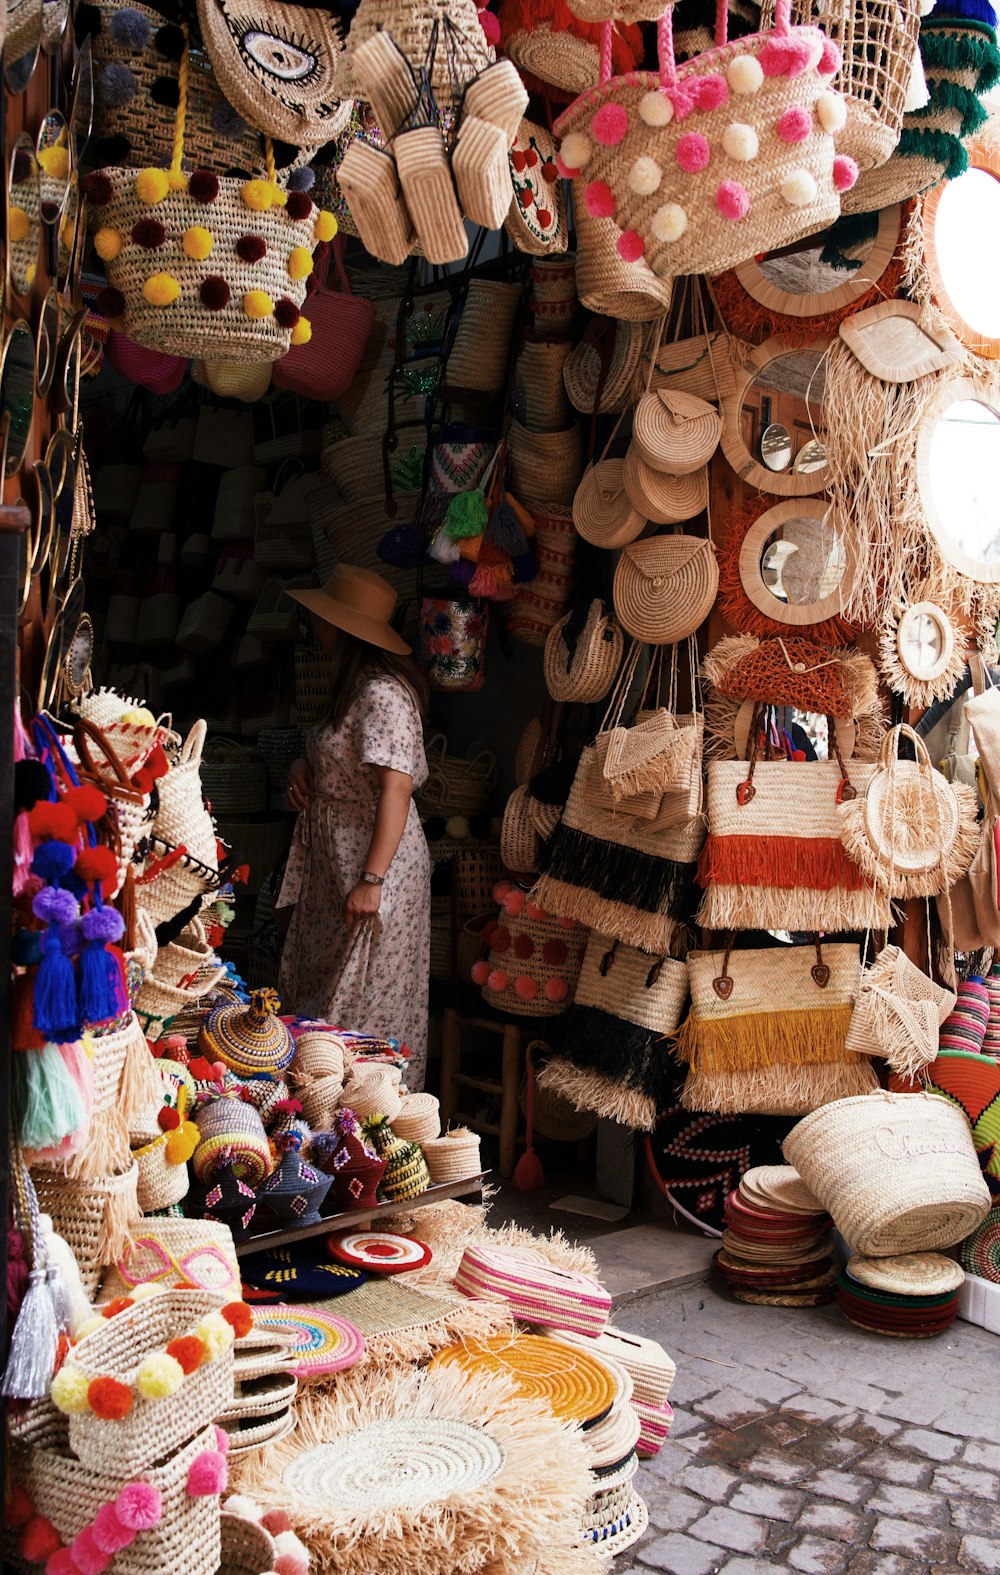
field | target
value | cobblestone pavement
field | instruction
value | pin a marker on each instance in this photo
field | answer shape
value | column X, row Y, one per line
column 802, row 1443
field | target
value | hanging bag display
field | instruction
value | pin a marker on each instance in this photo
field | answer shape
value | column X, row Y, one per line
column 325, row 368
column 898, row 1013
column 700, row 166
column 910, row 831
column 659, row 751
column 768, row 1027
column 665, row 587
column 774, row 858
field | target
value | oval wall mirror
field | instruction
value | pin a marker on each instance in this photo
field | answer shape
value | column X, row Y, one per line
column 17, row 395
column 961, row 239
column 48, row 342
column 24, row 217
column 958, row 463
column 59, row 645
column 793, row 565
column 816, row 275
column 60, row 456
column 780, row 396
column 22, row 43
column 81, row 114
column 54, row 159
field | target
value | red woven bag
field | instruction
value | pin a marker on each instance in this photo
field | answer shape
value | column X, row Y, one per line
column 326, row 367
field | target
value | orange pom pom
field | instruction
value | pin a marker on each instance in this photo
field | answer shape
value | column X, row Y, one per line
column 116, row 1305
column 188, row 1350
column 109, row 1399
column 239, row 1317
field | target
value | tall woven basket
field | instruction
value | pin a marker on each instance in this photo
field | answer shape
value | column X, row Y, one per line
column 93, row 1216
column 898, row 1172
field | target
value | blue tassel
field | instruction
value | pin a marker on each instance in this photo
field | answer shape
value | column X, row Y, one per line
column 505, row 531
column 102, row 993
column 54, row 1012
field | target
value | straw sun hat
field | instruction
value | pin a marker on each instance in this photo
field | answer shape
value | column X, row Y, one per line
column 358, row 601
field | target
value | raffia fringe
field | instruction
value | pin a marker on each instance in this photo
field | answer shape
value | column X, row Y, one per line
column 928, row 883
column 821, row 863
column 778, row 1090
column 141, row 1087
column 878, row 1031
column 658, row 775
column 106, row 1151
column 621, row 874
column 774, row 908
column 589, row 1090
column 653, row 932
column 475, row 1320
column 120, row 1216
column 598, row 1041
column 783, row 1037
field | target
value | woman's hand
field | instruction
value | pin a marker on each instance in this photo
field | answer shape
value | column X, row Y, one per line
column 299, row 791
column 361, row 903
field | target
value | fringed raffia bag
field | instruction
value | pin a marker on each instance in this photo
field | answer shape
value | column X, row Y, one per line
column 767, row 1030
column 609, row 1055
column 631, row 879
column 898, row 1013
column 911, row 832
column 774, row 858
column 659, row 752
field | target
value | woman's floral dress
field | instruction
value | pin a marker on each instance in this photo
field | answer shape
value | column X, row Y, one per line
column 372, row 976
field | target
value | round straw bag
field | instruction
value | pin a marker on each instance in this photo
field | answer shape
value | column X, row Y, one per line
column 453, row 1157
column 666, row 500
column 664, row 588
column 247, row 1549
column 602, row 510
column 419, row 1119
column 675, row 432
column 582, row 670
column 898, row 1172
column 582, row 371
column 518, row 834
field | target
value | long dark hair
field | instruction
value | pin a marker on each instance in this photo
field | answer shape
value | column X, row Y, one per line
column 356, row 661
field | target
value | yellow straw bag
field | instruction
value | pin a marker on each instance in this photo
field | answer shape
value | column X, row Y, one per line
column 205, row 265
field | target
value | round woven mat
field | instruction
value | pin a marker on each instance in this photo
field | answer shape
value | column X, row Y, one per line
column 738, row 1271
column 324, row 1343
column 911, row 1274
column 400, row 1461
column 810, row 1293
column 249, row 1433
column 576, row 1386
column 898, row 1334
column 378, row 1251
column 980, row 1252
column 779, row 1187
column 773, row 1253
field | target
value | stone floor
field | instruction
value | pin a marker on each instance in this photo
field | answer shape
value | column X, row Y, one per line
column 801, row 1443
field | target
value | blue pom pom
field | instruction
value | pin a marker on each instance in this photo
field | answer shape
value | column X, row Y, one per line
column 130, row 29
column 115, row 86
column 53, row 860
column 302, row 180
column 227, row 121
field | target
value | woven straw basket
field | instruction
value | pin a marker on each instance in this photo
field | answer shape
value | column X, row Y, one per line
column 898, row 1172
column 453, row 1157
column 247, row 1549
column 165, row 1250
column 602, row 510
column 455, row 786
column 153, row 1429
column 585, row 676
column 92, row 1216
column 877, row 40
column 685, row 212
column 675, row 432
column 160, row 1184
column 418, row 1120
column 606, row 283
column 475, row 872
column 534, row 964
column 233, row 780
column 665, row 587
column 478, row 359
column 545, row 466
column 542, row 603
column 69, row 1493
column 539, row 397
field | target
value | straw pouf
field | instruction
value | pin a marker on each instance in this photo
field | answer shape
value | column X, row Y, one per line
column 248, row 1038
column 419, row 1120
column 453, row 1157
column 602, row 511
column 615, row 1517
column 436, row 1470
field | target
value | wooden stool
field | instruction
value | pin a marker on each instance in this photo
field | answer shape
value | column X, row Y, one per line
column 453, row 1079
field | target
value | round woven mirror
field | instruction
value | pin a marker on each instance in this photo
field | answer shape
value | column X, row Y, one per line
column 782, row 388
column 793, row 564
column 961, row 239
column 814, row 277
column 958, row 466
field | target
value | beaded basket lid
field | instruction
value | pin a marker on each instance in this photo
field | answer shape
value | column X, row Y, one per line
column 248, row 1037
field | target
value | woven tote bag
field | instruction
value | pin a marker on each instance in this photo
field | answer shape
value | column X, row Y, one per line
column 664, row 588
column 898, row 1172
column 911, row 832
column 536, row 222
column 609, row 1055
column 617, row 874
column 735, row 149
column 583, row 652
column 541, row 603
column 767, row 1030
column 534, row 960
column 341, row 322
column 774, row 858
column 95, row 1216
column 898, row 1013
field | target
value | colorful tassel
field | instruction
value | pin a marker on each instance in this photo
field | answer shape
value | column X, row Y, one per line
column 505, row 531
column 48, row 1103
column 467, row 515
column 55, row 1012
column 102, row 987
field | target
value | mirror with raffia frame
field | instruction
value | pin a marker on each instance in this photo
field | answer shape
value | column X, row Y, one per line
column 961, row 221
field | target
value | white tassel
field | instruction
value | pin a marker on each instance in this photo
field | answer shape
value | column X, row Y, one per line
column 917, row 92
column 32, row 1359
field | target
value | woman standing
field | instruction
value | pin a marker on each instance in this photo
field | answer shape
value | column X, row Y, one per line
column 357, row 952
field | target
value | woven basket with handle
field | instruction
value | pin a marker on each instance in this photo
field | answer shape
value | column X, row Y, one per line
column 455, row 786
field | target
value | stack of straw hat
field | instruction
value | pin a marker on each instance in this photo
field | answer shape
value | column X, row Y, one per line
column 910, row 1297
column 776, row 1245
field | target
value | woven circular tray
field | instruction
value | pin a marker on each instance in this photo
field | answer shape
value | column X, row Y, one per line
column 378, row 1251
column 576, row 1386
column 324, row 1342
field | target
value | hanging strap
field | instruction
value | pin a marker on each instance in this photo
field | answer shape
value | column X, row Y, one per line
column 722, row 984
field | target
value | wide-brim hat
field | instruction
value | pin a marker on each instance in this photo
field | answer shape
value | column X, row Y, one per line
column 358, row 601
column 280, row 68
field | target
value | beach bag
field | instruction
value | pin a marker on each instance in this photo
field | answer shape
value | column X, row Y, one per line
column 534, row 960
column 659, row 752
column 326, row 367
column 898, row 1013
column 583, row 652
column 609, row 1054
column 767, row 1029
column 451, row 643
column 671, row 211
column 910, row 831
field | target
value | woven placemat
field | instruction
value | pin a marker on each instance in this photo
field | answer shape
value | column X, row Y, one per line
column 812, row 1293
column 250, row 1434
column 576, row 1386
column 378, row 1251
column 325, row 1341
column 385, row 1306
column 780, row 1187
column 404, row 1461
column 911, row 1274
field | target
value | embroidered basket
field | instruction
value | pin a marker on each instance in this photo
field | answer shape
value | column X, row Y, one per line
column 898, row 1172
column 700, row 166
column 69, row 1493
column 542, row 602
column 164, row 1251
column 153, row 1428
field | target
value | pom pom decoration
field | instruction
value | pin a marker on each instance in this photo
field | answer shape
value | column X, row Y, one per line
column 139, row 1506
column 732, row 200
column 215, row 293
column 62, row 1563
column 740, row 142
column 497, row 980
column 108, row 244
column 556, row 990
column 69, row 1391
column 831, row 111
column 300, row 204
column 258, row 304
column 845, row 172
column 799, row 188
column 713, row 92
column 18, row 1507
column 258, row 195
column 110, row 303
column 181, row 1144
column 599, row 200
column 325, row 227
column 829, row 61
column 187, row 1351
column 302, row 332
column 31, row 783
column 299, row 263
column 276, row 1521
column 227, row 121
column 87, row 803
column 203, row 186
column 166, row 92
column 161, row 289
column 39, row 1539
column 130, row 29
column 207, row 1475
column 286, row 313
column 745, row 76
column 526, row 987
column 644, row 177
column 629, row 246
column 251, row 248
column 115, row 86
column 655, row 109
column 152, row 186
column 692, row 152
column 490, row 25
column 109, row 1399
column 169, row 42
column 237, row 1314
column 480, row 972
column 57, row 821
column 197, row 242
column 467, row 515
column 97, row 189
column 576, row 150
column 87, row 1556
column 795, row 124
column 109, row 1533
column 215, row 1333
column 159, row 1376
column 221, row 1439
column 609, row 125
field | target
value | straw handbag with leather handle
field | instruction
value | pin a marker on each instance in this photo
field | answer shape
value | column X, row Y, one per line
column 774, row 858
column 911, row 832
column 664, row 587
column 898, row 1013
column 341, row 322
column 700, row 166
column 768, row 1027
column 609, row 1051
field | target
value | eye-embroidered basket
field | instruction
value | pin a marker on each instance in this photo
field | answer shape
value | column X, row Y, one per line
column 704, row 165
